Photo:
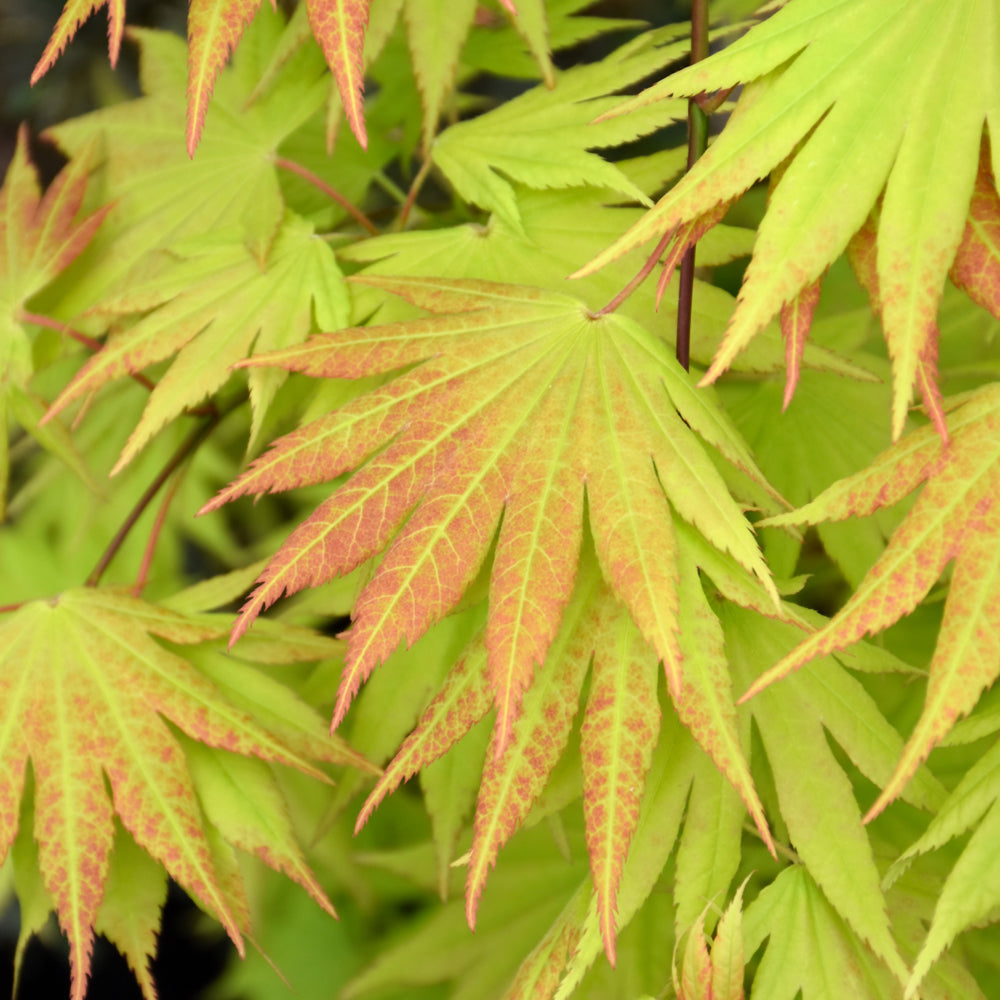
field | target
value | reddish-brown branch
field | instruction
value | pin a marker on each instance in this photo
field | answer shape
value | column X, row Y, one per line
column 154, row 536
column 712, row 104
column 307, row 175
column 82, row 338
column 697, row 142
column 411, row 195
column 187, row 447
column 639, row 278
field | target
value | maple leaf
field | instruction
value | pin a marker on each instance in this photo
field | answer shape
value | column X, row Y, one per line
column 541, row 138
column 819, row 74
column 40, row 235
column 87, row 695
column 812, row 952
column 160, row 196
column 968, row 895
column 518, row 399
column 211, row 303
column 717, row 975
column 955, row 517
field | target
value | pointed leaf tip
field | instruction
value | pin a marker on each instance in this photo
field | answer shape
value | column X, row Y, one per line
column 214, row 30
column 74, row 14
column 339, row 27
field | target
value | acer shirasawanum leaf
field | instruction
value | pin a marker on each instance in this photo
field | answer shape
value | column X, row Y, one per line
column 84, row 685
column 160, row 197
column 824, row 75
column 956, row 517
column 969, row 894
column 541, row 138
column 517, row 402
column 811, row 952
column 40, row 235
column 208, row 302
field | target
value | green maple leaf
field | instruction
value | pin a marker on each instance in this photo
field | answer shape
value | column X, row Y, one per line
column 162, row 197
column 825, row 85
column 955, row 517
column 970, row 892
column 212, row 305
column 815, row 795
column 87, row 693
column 40, row 235
column 811, row 952
column 541, row 139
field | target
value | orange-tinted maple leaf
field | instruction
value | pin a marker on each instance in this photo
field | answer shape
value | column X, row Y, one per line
column 214, row 29
column 520, row 401
column 956, row 517
column 796, row 320
column 976, row 269
column 86, row 692
column 74, row 14
column 339, row 27
column 619, row 732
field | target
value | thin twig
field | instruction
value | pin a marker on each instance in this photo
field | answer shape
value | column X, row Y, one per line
column 411, row 197
column 697, row 143
column 82, row 338
column 154, row 535
column 187, row 447
column 712, row 104
column 782, row 849
column 306, row 174
column 639, row 278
